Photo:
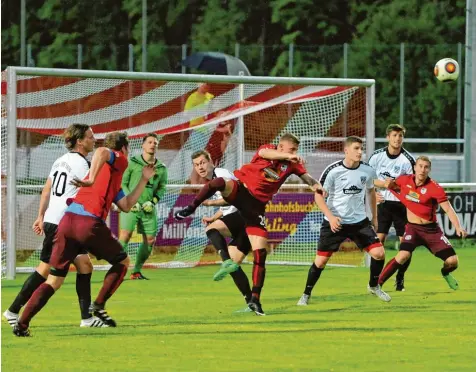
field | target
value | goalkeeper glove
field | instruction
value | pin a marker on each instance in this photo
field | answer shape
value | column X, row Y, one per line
column 148, row 207
column 136, row 208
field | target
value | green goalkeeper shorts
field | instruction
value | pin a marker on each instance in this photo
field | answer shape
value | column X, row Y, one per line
column 146, row 223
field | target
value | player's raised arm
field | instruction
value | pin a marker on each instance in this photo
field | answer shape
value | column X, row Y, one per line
column 44, row 202
column 126, row 202
column 100, row 157
column 312, row 182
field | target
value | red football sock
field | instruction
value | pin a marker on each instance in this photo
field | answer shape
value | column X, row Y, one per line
column 37, row 301
column 113, row 279
column 390, row 268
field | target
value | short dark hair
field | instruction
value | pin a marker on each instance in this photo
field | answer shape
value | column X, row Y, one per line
column 395, row 128
column 116, row 140
column 423, row 158
column 199, row 153
column 291, row 138
column 352, row 139
column 74, row 133
column 150, row 135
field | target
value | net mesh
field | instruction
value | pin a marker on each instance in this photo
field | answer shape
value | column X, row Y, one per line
column 230, row 121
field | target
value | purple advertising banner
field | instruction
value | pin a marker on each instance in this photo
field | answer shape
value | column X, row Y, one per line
column 287, row 215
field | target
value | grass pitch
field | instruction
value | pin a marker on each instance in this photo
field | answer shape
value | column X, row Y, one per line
column 181, row 320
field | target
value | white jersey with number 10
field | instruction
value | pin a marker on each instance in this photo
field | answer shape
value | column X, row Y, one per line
column 65, row 169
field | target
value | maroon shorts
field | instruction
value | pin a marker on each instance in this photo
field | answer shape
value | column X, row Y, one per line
column 429, row 236
column 76, row 232
column 251, row 209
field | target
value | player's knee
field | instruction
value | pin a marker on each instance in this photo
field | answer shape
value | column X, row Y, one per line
column 378, row 253
column 83, row 264
column 259, row 256
column 43, row 269
column 452, row 262
column 321, row 261
column 151, row 240
column 126, row 261
column 55, row 281
column 125, row 236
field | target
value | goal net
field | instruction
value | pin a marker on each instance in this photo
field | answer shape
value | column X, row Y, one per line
column 227, row 116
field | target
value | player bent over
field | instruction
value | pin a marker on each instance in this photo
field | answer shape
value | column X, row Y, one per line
column 143, row 214
column 420, row 194
column 257, row 182
column 79, row 140
column 347, row 182
column 83, row 227
column 227, row 222
column 392, row 161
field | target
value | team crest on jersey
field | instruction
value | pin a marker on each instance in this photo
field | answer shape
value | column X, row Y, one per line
column 408, row 237
column 423, row 190
column 284, row 167
column 396, row 169
column 363, row 179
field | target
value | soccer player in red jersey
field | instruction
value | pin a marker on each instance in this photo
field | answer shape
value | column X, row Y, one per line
column 83, row 226
column 257, row 182
column 420, row 194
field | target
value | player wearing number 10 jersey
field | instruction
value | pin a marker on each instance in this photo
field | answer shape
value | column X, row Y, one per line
column 79, row 139
column 257, row 182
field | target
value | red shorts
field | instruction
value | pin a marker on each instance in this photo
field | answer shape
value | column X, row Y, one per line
column 429, row 236
column 77, row 232
column 251, row 209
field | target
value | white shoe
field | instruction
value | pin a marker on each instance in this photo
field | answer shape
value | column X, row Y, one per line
column 304, row 300
column 11, row 318
column 377, row 291
column 93, row 322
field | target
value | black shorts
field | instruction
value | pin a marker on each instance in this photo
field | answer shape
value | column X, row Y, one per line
column 50, row 230
column 390, row 212
column 251, row 209
column 237, row 226
column 362, row 233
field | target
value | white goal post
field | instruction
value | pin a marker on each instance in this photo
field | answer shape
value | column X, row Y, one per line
column 322, row 112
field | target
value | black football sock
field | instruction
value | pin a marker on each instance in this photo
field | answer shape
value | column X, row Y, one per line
column 402, row 270
column 83, row 289
column 312, row 277
column 30, row 285
column 242, row 283
column 219, row 243
column 376, row 267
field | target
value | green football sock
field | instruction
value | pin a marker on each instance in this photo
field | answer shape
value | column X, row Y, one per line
column 144, row 252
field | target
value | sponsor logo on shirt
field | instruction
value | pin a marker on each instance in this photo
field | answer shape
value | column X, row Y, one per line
column 352, row 190
column 413, row 196
column 271, row 174
column 386, row 175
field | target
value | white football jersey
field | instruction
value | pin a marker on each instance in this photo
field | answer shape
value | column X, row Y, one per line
column 225, row 173
column 347, row 190
column 64, row 170
column 391, row 166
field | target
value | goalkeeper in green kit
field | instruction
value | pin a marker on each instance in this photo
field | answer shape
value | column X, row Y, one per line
column 143, row 215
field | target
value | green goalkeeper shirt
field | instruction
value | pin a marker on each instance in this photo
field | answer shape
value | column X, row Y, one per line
column 155, row 189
